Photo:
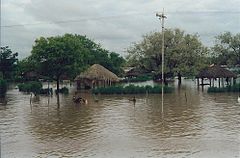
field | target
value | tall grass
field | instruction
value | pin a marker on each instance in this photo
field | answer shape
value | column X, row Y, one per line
column 131, row 89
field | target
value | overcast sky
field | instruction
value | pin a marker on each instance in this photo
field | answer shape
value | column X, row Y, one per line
column 112, row 23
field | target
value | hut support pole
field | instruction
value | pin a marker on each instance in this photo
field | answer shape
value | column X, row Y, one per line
column 202, row 82
column 210, row 80
column 213, row 82
column 234, row 81
column 198, row 82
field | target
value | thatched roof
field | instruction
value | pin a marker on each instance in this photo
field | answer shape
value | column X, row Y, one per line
column 216, row 72
column 132, row 72
column 98, row 72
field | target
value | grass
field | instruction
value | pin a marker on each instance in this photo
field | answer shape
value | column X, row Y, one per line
column 131, row 89
column 233, row 88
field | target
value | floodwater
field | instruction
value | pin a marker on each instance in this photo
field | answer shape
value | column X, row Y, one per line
column 193, row 124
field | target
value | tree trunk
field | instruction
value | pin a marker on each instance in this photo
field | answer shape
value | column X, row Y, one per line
column 179, row 78
column 58, row 81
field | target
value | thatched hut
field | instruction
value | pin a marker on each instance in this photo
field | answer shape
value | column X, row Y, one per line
column 96, row 76
column 216, row 72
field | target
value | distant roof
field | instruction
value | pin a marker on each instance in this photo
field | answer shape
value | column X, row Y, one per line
column 216, row 71
column 99, row 72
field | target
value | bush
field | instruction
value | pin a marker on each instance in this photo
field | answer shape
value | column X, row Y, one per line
column 63, row 90
column 46, row 91
column 131, row 89
column 3, row 87
column 33, row 86
column 233, row 88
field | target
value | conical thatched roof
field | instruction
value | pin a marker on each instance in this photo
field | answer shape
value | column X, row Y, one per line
column 99, row 72
column 216, row 72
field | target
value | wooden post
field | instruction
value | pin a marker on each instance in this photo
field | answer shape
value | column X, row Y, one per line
column 202, row 82
column 198, row 82
column 213, row 82
column 210, row 80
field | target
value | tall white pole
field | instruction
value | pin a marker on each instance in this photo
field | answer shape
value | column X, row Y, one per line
column 162, row 17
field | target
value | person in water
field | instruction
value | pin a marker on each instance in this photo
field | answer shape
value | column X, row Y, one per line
column 133, row 99
column 78, row 99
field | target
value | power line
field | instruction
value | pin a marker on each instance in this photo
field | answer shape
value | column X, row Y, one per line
column 116, row 16
column 73, row 21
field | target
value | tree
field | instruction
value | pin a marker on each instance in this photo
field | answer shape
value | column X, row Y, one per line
column 69, row 55
column 226, row 51
column 184, row 53
column 58, row 56
column 8, row 61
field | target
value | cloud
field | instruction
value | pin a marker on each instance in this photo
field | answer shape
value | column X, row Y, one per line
column 114, row 24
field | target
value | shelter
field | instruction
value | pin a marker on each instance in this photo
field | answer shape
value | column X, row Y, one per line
column 133, row 73
column 96, row 76
column 216, row 72
column 30, row 75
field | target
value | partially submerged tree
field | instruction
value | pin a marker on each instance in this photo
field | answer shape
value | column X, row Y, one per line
column 68, row 55
column 184, row 53
column 8, row 61
column 57, row 56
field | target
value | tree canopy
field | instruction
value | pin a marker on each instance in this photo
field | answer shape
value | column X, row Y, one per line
column 8, row 61
column 226, row 50
column 184, row 53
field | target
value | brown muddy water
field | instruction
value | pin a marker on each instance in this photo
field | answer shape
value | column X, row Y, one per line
column 199, row 125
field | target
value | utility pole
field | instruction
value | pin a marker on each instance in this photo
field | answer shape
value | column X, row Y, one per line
column 161, row 18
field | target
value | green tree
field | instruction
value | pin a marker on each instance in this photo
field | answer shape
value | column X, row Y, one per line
column 116, row 62
column 69, row 55
column 8, row 61
column 226, row 50
column 184, row 53
column 58, row 56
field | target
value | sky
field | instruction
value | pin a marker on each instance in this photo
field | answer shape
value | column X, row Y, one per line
column 114, row 24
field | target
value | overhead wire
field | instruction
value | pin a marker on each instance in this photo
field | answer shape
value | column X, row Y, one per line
column 115, row 16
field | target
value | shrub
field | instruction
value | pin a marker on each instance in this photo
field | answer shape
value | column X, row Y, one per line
column 232, row 88
column 3, row 87
column 46, row 91
column 131, row 89
column 63, row 90
column 33, row 86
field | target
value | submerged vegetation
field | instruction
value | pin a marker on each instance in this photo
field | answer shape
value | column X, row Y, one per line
column 63, row 90
column 233, row 88
column 32, row 86
column 131, row 89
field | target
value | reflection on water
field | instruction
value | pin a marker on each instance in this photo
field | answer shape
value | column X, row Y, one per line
column 194, row 124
